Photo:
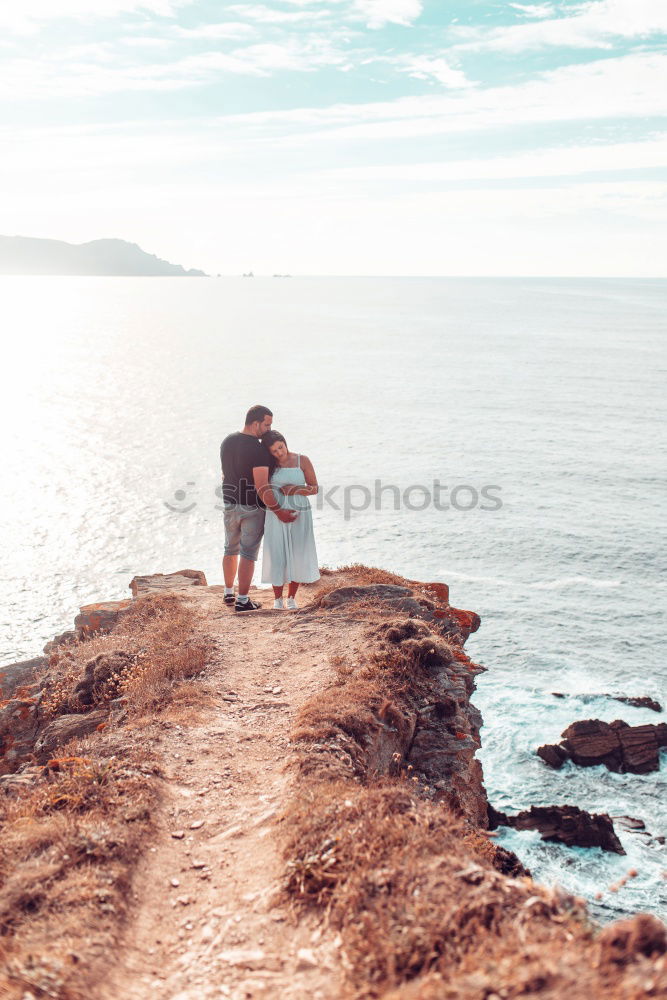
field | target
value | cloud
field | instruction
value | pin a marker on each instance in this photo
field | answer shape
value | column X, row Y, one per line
column 93, row 69
column 534, row 9
column 429, row 68
column 235, row 30
column 271, row 15
column 25, row 16
column 630, row 86
column 596, row 24
column 378, row 13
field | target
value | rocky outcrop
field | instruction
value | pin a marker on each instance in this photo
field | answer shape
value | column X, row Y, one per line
column 408, row 601
column 63, row 639
column 16, row 676
column 100, row 617
column 617, row 745
column 19, row 725
column 566, row 824
column 638, row 701
column 157, row 582
column 66, row 728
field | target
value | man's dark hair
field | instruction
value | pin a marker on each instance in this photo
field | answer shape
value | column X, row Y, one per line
column 256, row 413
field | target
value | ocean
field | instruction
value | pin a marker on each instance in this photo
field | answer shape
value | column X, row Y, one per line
column 501, row 435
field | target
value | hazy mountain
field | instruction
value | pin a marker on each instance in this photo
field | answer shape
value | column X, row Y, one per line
column 24, row 255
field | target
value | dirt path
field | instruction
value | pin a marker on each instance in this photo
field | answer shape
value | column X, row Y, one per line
column 208, row 921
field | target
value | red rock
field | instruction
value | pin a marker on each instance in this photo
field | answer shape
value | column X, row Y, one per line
column 468, row 621
column 99, row 617
column 439, row 590
column 157, row 582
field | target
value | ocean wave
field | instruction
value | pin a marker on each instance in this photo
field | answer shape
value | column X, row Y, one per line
column 563, row 581
column 574, row 581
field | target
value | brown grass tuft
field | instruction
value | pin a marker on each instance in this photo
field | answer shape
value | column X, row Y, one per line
column 68, row 848
column 150, row 651
column 70, row 843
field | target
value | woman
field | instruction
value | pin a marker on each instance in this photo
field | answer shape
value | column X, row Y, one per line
column 289, row 555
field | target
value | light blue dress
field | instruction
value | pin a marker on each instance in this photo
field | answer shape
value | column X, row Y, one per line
column 289, row 549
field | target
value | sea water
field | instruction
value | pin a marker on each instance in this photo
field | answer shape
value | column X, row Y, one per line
column 502, row 435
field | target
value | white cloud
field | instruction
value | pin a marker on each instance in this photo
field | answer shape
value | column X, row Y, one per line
column 615, row 88
column 271, row 15
column 534, row 9
column 377, row 13
column 234, row 30
column 596, row 24
column 92, row 70
column 429, row 68
column 23, row 16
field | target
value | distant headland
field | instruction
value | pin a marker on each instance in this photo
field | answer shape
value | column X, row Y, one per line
column 25, row 255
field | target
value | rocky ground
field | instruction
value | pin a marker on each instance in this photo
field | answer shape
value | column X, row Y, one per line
column 208, row 920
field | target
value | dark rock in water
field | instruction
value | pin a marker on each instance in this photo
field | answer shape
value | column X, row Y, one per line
column 638, row 701
column 591, row 742
column 552, row 754
column 630, row 823
column 568, row 825
column 617, row 745
column 641, row 701
column 507, row 863
column 23, row 674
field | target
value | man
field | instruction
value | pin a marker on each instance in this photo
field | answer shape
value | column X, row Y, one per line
column 246, row 494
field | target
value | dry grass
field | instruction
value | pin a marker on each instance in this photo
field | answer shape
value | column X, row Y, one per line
column 69, row 844
column 415, row 891
column 355, row 575
column 149, row 653
column 68, row 849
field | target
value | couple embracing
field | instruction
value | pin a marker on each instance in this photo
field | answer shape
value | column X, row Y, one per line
column 265, row 489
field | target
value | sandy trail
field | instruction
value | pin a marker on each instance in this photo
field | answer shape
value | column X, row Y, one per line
column 208, row 922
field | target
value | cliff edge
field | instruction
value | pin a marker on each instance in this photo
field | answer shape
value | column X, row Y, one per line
column 274, row 805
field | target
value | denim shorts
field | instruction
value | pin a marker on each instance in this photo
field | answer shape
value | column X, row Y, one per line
column 244, row 527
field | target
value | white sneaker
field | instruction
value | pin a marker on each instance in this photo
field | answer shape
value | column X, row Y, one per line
column 278, row 604
column 291, row 604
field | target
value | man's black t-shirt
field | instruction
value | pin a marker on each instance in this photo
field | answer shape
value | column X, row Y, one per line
column 239, row 454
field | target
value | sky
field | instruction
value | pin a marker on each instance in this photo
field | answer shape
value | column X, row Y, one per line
column 360, row 137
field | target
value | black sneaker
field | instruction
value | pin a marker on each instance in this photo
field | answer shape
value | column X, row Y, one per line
column 229, row 598
column 246, row 605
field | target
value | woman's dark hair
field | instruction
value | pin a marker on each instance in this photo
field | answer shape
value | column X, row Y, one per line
column 269, row 439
